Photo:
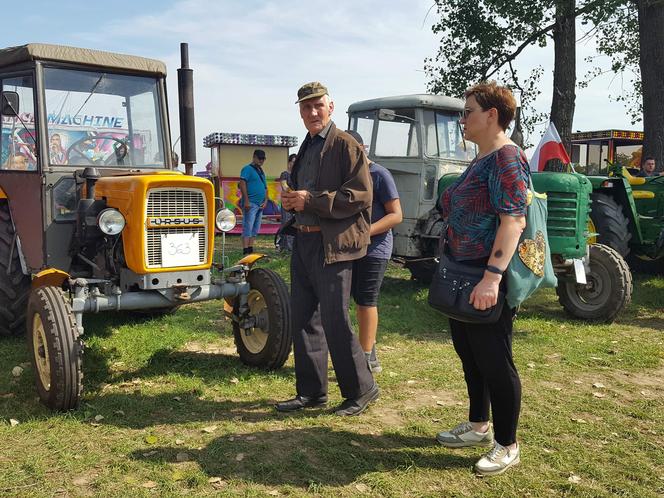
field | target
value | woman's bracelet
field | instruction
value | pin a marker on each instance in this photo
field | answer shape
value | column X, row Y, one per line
column 494, row 269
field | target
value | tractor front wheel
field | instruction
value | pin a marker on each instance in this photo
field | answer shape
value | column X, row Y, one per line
column 55, row 348
column 267, row 343
column 608, row 291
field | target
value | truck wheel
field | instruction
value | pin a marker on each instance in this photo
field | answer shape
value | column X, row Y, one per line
column 268, row 344
column 422, row 271
column 55, row 348
column 610, row 222
column 609, row 288
column 14, row 285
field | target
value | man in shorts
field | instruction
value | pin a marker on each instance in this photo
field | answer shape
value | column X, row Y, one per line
column 368, row 272
column 254, row 197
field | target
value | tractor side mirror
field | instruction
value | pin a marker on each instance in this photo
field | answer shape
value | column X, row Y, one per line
column 386, row 114
column 9, row 104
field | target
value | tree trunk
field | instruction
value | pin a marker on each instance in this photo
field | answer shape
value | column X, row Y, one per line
column 564, row 72
column 651, row 41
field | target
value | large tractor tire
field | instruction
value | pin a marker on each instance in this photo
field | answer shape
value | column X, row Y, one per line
column 608, row 291
column 14, row 285
column 55, row 348
column 268, row 344
column 610, row 223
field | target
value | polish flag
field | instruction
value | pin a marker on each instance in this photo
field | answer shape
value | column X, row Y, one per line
column 550, row 147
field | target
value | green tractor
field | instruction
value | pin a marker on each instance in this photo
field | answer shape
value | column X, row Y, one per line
column 628, row 210
column 418, row 138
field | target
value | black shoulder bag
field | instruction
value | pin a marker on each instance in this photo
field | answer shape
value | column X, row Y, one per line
column 450, row 290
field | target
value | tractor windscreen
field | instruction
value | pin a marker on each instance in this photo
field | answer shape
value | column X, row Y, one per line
column 103, row 119
column 444, row 136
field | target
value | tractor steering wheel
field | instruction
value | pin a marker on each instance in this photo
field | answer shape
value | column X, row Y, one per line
column 76, row 154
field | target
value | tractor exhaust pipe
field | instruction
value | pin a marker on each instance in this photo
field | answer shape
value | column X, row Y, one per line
column 186, row 100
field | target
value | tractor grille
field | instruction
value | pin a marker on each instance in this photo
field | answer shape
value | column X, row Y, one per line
column 562, row 212
column 175, row 202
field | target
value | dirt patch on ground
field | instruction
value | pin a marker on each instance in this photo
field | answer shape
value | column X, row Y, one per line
column 622, row 385
column 198, row 347
column 399, row 412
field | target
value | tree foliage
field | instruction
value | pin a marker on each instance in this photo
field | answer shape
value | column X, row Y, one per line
column 480, row 40
column 616, row 31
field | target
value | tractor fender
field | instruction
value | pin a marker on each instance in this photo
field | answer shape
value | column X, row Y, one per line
column 50, row 277
column 250, row 259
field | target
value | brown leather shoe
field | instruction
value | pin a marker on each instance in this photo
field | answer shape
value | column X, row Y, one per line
column 300, row 402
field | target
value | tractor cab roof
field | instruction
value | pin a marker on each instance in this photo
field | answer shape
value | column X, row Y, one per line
column 94, row 58
column 439, row 102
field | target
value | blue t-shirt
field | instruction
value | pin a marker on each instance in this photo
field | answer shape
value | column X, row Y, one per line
column 384, row 190
column 256, row 184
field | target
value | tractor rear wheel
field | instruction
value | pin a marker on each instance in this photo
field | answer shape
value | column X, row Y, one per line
column 14, row 285
column 55, row 348
column 610, row 222
column 608, row 291
column 268, row 343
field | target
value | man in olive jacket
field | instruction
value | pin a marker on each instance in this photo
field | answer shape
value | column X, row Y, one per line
column 331, row 199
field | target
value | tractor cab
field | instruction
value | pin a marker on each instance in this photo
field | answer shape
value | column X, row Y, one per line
column 418, row 138
column 64, row 111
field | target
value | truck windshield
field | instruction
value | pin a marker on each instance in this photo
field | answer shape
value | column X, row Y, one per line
column 444, row 136
column 103, row 119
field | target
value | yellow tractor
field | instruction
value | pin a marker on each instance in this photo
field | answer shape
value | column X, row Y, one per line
column 94, row 215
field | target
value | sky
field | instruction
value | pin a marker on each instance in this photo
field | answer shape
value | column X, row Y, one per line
column 249, row 57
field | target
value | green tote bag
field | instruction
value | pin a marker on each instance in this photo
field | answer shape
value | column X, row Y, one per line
column 530, row 267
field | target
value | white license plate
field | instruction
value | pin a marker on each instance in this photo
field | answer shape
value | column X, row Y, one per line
column 179, row 249
column 580, row 272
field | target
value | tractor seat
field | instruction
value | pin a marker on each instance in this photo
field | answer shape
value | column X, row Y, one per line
column 633, row 180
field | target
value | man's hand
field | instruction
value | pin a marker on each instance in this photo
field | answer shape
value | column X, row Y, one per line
column 246, row 205
column 485, row 293
column 264, row 204
column 294, row 201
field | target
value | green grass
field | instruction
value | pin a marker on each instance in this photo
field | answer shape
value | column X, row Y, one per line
column 174, row 385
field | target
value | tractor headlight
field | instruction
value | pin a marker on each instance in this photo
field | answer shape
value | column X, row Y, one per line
column 111, row 221
column 225, row 220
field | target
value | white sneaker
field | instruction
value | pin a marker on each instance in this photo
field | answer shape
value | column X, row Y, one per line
column 497, row 461
column 464, row 435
